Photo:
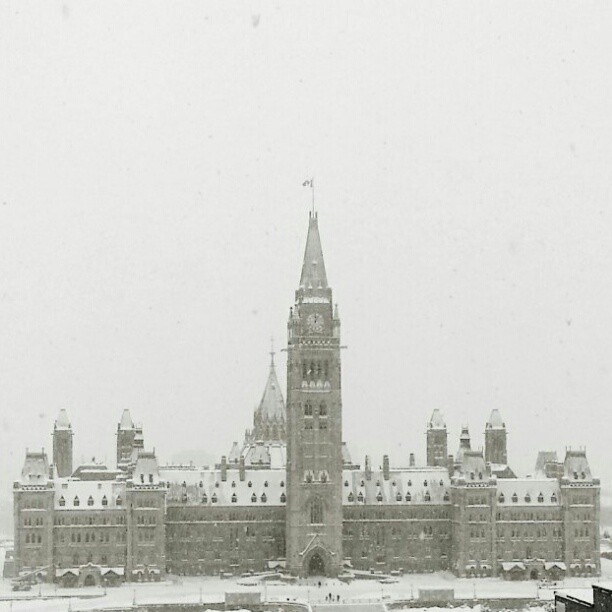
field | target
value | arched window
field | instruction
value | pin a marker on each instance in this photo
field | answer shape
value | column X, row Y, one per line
column 351, row 497
column 308, row 408
column 234, row 498
column 514, row 498
column 264, row 498
column 90, row 501
column 322, row 409
column 119, row 501
column 76, row 501
column 62, row 501
column 316, row 511
column 283, row 498
column 104, row 500
column 408, row 496
column 253, row 498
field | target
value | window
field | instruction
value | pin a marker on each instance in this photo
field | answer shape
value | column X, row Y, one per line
column 553, row 498
column 90, row 501
column 322, row 409
column 398, row 497
column 118, row 502
column 204, row 498
column 541, row 498
column 76, row 501
column 264, row 498
column 514, row 498
column 316, row 511
column 283, row 498
column 351, row 497
column 323, row 476
column 501, row 499
column 308, row 408
column 62, row 501
column 427, row 496
column 379, row 497
column 446, row 496
column 528, row 498
column 408, row 496
column 253, row 498
column 104, row 500
column 234, row 498
column 360, row 497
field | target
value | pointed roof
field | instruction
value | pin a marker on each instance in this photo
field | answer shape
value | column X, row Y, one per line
column 437, row 420
column 126, row 420
column 62, row 421
column 495, row 420
column 313, row 267
column 272, row 405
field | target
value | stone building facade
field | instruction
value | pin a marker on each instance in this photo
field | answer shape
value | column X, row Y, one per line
column 290, row 497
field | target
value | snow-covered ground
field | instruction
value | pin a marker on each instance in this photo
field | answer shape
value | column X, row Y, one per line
column 210, row 589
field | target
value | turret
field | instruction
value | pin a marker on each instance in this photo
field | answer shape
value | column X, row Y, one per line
column 495, row 440
column 437, row 440
column 62, row 445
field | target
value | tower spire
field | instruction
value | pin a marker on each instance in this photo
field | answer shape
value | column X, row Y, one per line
column 313, row 268
column 272, row 353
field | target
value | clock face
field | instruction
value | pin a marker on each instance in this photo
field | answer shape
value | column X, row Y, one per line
column 314, row 322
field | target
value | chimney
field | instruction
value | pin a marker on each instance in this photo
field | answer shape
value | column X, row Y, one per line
column 223, row 468
column 451, row 464
column 386, row 467
column 368, row 468
column 411, row 459
column 241, row 472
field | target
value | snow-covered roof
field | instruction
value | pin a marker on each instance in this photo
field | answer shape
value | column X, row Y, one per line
column 272, row 405
column 35, row 469
column 62, row 421
column 146, row 470
column 528, row 492
column 495, row 420
column 418, row 485
column 545, row 457
column 126, row 420
column 437, row 420
column 91, row 494
column 576, row 466
column 472, row 464
column 205, row 487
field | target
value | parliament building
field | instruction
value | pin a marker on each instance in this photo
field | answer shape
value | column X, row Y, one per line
column 290, row 498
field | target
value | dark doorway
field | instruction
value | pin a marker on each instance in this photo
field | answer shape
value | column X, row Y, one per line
column 316, row 567
column 90, row 580
column 534, row 574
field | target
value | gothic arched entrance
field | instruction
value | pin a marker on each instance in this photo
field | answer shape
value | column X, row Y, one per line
column 316, row 565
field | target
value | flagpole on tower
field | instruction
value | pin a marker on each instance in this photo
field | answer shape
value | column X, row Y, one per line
column 310, row 183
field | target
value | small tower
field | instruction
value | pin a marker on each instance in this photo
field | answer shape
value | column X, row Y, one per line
column 62, row 445
column 495, row 439
column 126, row 434
column 437, row 440
column 464, row 445
column 269, row 420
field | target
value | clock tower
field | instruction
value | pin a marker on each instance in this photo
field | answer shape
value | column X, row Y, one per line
column 314, row 421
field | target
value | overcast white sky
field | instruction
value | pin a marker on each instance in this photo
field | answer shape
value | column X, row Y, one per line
column 152, row 219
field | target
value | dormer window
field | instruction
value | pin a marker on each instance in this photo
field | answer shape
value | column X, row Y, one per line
column 217, row 484
column 360, row 497
column 282, row 483
column 446, row 496
column 104, row 500
column 502, row 498
column 283, row 498
column 472, row 475
column 76, row 501
column 234, row 498
column 378, row 483
column 213, row 499
column 528, row 498
column 264, row 498
column 410, row 483
column 362, row 483
column 265, row 483
column 346, row 484
column 427, row 496
column 253, row 498
column 408, row 496
column 514, row 498
column 351, row 497
column 201, row 484
column 553, row 498
column 379, row 497
column 575, row 475
column 249, row 484
column 204, row 498
column 233, row 484
column 398, row 497
column 424, row 483
column 541, row 498
column 583, row 475
column 118, row 501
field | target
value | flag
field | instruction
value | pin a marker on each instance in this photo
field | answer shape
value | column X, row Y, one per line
column 309, row 183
